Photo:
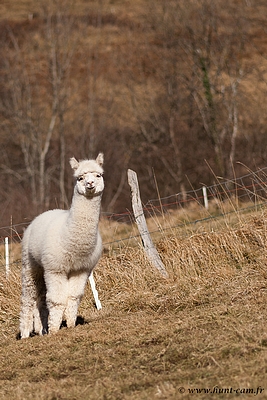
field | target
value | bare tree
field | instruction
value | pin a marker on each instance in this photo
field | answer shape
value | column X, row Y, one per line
column 210, row 74
column 61, row 47
column 37, row 107
column 215, row 54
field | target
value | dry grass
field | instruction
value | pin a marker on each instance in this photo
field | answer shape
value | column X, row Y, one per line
column 203, row 327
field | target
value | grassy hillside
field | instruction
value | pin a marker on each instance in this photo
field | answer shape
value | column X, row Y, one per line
column 202, row 328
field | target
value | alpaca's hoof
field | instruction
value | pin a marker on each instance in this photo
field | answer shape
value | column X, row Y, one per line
column 53, row 330
column 24, row 334
column 71, row 325
column 42, row 332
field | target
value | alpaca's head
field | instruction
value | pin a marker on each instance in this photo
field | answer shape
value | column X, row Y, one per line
column 89, row 175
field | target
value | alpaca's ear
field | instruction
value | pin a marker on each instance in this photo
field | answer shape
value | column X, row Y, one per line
column 100, row 159
column 74, row 163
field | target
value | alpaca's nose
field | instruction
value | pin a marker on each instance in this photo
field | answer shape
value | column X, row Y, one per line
column 90, row 184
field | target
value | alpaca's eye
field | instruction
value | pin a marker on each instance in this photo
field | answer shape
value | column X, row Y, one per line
column 99, row 175
column 80, row 178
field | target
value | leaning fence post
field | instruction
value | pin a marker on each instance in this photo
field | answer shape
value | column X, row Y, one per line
column 95, row 292
column 138, row 211
column 7, row 257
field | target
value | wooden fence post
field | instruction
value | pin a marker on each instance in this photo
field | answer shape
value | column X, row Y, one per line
column 205, row 197
column 138, row 211
column 7, row 257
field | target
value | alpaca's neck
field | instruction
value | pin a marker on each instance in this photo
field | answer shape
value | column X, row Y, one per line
column 84, row 217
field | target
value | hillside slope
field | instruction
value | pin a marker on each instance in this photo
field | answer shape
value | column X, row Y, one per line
column 200, row 331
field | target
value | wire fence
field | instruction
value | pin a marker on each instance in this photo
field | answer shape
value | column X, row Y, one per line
column 251, row 187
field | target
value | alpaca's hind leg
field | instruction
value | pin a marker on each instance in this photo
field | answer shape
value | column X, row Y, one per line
column 56, row 299
column 76, row 285
column 37, row 323
column 26, row 318
column 28, row 301
column 41, row 316
column 40, row 311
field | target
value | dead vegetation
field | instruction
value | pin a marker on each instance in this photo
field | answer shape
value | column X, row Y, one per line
column 204, row 327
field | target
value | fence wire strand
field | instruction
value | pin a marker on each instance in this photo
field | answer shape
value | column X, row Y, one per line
column 250, row 187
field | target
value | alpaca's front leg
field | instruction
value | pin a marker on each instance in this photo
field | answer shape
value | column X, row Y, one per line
column 72, row 310
column 76, row 285
column 56, row 299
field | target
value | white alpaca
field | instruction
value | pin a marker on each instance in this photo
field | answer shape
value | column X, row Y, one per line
column 60, row 248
